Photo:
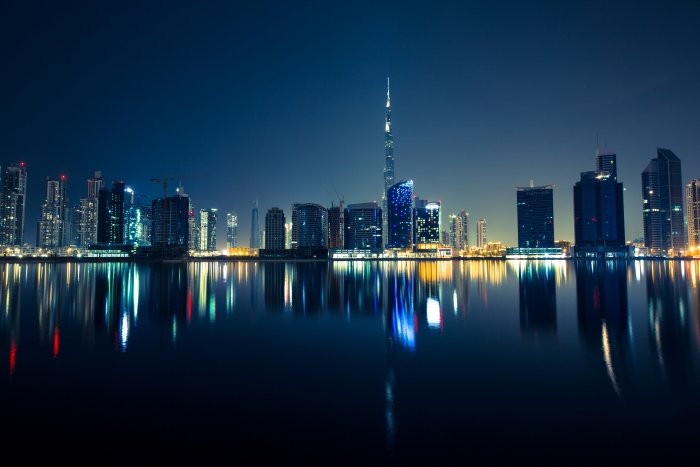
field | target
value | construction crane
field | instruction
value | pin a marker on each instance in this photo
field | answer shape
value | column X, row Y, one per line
column 164, row 181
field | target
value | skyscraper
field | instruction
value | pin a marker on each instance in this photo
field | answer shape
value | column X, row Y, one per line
column 481, row 233
column 662, row 198
column 13, row 195
column 388, row 162
column 309, row 226
column 255, row 227
column 692, row 206
column 599, row 218
column 274, row 229
column 336, row 227
column 52, row 226
column 88, row 211
column 207, row 229
column 171, row 221
column 116, row 213
column 455, row 238
column 363, row 226
column 535, row 216
column 464, row 216
column 426, row 222
column 399, row 206
column 231, row 230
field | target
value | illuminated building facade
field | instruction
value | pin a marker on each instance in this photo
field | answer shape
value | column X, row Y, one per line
column 363, row 226
column 89, row 211
column 231, row 230
column 274, row 229
column 336, row 226
column 388, row 161
column 426, row 222
column 535, row 216
column 51, row 233
column 464, row 218
column 309, row 226
column 455, row 235
column 400, row 206
column 207, row 229
column 692, row 206
column 481, row 234
column 599, row 216
column 13, row 195
column 662, row 198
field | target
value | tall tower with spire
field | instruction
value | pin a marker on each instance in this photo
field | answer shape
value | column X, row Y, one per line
column 388, row 161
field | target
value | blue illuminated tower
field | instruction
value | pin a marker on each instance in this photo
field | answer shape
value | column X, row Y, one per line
column 400, row 207
column 388, row 160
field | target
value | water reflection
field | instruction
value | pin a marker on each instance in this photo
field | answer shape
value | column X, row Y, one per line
column 538, row 298
column 603, row 317
column 670, row 327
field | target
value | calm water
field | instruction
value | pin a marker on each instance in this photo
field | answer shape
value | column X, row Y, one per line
column 335, row 362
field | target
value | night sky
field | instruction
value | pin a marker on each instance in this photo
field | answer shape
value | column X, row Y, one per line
column 285, row 101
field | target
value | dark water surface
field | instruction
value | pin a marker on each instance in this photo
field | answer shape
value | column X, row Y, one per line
column 351, row 362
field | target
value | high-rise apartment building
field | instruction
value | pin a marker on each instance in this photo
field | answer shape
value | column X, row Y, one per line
column 400, row 207
column 274, row 229
column 426, row 222
column 207, row 229
column 464, row 217
column 692, row 207
column 599, row 216
column 88, row 211
column 52, row 226
column 363, row 226
column 535, row 216
column 662, row 198
column 13, row 195
column 231, row 230
column 309, row 226
column 455, row 232
column 481, row 233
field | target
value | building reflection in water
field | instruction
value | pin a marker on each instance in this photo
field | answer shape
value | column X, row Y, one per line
column 538, row 298
column 670, row 327
column 10, row 311
column 604, row 320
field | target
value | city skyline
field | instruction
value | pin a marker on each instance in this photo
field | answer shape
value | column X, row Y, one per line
column 468, row 127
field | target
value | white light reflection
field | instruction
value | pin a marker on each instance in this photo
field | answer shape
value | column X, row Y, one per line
column 124, row 331
column 434, row 315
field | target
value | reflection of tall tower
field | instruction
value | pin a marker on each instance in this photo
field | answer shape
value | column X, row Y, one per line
column 273, row 285
column 388, row 161
column 538, row 299
column 669, row 330
column 603, row 316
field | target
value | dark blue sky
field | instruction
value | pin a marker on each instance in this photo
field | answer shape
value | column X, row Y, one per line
column 281, row 101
